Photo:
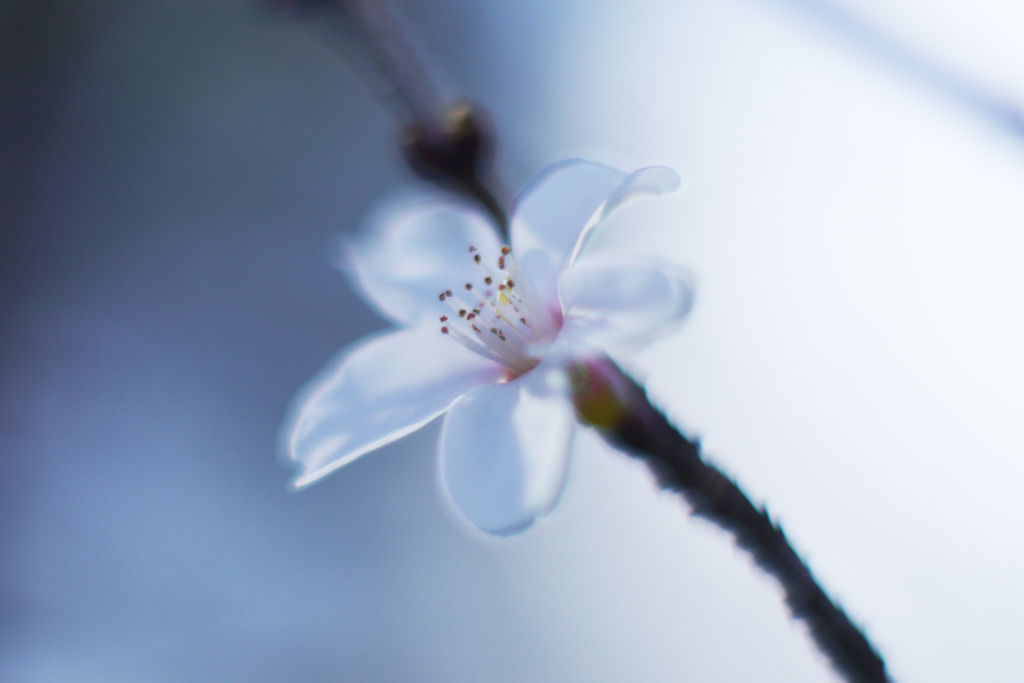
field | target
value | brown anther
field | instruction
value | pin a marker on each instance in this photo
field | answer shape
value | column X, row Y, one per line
column 444, row 318
column 510, row 283
column 444, row 330
column 440, row 296
column 501, row 262
column 476, row 258
column 469, row 286
column 501, row 288
column 494, row 330
column 448, row 292
column 505, row 251
column 462, row 313
column 487, row 280
column 475, row 328
column 471, row 249
column 470, row 316
column 522, row 320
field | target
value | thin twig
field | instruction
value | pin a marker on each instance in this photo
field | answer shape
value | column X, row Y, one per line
column 620, row 408
column 490, row 202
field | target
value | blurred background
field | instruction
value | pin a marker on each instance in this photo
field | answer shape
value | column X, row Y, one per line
column 173, row 175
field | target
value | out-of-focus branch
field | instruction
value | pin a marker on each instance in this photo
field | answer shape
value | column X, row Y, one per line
column 446, row 141
column 614, row 403
column 995, row 107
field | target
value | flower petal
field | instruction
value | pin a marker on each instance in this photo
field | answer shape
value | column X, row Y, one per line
column 653, row 180
column 505, row 449
column 558, row 213
column 623, row 300
column 550, row 214
column 376, row 392
column 415, row 249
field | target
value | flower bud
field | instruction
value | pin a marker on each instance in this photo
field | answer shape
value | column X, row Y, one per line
column 458, row 150
column 598, row 393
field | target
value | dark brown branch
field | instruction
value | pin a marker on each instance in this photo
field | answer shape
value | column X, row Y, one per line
column 618, row 406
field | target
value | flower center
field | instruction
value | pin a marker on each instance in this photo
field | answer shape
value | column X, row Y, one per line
column 499, row 316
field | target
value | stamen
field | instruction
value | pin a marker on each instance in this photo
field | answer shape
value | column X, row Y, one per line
column 527, row 336
column 530, row 301
column 475, row 346
column 510, row 356
column 504, row 306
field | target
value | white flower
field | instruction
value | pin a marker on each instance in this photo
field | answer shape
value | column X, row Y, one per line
column 486, row 336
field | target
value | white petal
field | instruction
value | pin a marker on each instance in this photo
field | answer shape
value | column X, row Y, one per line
column 417, row 248
column 622, row 300
column 651, row 181
column 550, row 214
column 505, row 449
column 558, row 213
column 375, row 392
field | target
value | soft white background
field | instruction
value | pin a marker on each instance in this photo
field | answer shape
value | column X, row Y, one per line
column 175, row 173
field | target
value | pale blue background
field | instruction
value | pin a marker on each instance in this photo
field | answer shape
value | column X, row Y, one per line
column 173, row 176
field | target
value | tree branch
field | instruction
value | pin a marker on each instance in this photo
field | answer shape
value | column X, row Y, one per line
column 610, row 400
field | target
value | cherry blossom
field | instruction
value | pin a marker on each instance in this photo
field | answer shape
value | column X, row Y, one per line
column 486, row 334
